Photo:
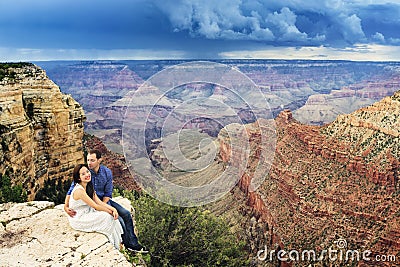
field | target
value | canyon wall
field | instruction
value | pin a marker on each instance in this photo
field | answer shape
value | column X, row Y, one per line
column 329, row 183
column 41, row 129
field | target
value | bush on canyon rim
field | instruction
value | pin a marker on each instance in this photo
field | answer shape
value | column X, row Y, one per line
column 53, row 191
column 11, row 193
column 179, row 236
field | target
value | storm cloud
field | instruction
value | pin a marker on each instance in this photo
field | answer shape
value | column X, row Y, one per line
column 323, row 22
column 191, row 28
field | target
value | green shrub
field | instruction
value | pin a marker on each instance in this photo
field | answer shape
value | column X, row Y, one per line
column 10, row 193
column 178, row 236
column 54, row 191
column 6, row 69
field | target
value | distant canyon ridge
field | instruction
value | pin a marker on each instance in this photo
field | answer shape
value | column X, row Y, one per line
column 315, row 91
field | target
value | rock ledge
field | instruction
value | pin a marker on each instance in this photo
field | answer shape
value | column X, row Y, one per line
column 38, row 234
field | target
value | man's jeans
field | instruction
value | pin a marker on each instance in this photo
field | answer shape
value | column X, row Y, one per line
column 125, row 218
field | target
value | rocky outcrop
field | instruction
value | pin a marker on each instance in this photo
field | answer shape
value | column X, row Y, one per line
column 334, row 182
column 41, row 129
column 38, row 234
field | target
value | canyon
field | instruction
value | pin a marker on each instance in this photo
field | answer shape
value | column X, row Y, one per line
column 315, row 91
column 329, row 182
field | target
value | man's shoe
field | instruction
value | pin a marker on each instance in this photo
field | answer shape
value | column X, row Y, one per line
column 138, row 249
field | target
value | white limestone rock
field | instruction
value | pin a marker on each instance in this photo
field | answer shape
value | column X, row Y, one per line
column 38, row 234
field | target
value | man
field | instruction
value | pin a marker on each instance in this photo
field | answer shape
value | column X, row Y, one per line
column 102, row 182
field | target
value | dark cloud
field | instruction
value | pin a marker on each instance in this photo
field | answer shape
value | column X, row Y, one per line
column 198, row 28
column 381, row 19
column 324, row 22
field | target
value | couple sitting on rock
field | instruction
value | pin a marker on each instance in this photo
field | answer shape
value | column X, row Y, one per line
column 91, row 209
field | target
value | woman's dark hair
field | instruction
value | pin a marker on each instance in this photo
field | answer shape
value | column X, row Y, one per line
column 77, row 179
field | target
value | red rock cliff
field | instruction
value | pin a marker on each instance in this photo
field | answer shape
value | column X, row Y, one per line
column 331, row 182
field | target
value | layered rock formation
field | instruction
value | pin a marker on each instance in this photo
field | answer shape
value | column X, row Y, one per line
column 38, row 234
column 331, row 183
column 41, row 129
column 101, row 86
column 94, row 84
column 324, row 108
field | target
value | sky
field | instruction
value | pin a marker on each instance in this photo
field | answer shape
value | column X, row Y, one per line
column 362, row 30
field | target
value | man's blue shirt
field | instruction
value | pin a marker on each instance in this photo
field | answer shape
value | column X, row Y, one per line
column 102, row 182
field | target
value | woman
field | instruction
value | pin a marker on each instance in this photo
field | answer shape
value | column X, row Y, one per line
column 92, row 215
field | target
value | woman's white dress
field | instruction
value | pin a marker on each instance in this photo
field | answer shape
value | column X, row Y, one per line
column 88, row 219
